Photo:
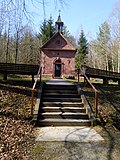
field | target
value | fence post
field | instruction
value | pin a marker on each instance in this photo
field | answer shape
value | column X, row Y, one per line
column 40, row 73
column 78, row 75
column 5, row 76
column 105, row 81
column 119, row 82
column 33, row 78
column 96, row 104
column 32, row 103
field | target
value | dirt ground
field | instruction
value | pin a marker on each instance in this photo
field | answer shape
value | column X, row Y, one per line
column 16, row 130
column 17, row 138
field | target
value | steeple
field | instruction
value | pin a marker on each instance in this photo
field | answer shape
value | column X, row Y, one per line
column 59, row 24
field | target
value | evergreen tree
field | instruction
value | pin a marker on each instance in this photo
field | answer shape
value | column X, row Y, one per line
column 65, row 31
column 82, row 50
column 68, row 36
column 47, row 30
column 50, row 28
column 43, row 30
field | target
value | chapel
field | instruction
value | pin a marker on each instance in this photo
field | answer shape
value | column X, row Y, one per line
column 58, row 54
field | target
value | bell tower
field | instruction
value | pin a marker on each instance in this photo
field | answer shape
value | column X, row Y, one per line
column 59, row 24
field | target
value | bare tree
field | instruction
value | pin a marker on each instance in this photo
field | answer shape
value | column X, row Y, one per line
column 8, row 41
column 14, row 15
column 115, row 28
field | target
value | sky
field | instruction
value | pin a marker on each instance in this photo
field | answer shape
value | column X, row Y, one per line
column 78, row 14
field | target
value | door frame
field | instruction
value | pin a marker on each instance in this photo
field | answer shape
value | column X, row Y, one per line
column 57, row 61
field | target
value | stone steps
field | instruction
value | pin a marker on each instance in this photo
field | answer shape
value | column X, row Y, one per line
column 62, row 106
column 63, row 109
column 59, row 115
column 65, row 91
column 59, row 87
column 61, row 95
column 66, row 99
column 63, row 122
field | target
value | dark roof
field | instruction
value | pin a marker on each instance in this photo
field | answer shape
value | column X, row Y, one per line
column 53, row 37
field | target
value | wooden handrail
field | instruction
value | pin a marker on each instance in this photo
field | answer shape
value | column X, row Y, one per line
column 33, row 88
column 89, row 81
column 92, row 86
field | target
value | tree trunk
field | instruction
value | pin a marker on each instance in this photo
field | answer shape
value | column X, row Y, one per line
column 16, row 50
column 8, row 41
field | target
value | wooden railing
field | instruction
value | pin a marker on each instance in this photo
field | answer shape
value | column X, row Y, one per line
column 100, row 73
column 18, row 68
column 33, row 88
column 81, row 72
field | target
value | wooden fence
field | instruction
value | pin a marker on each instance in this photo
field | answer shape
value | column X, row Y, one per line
column 23, row 69
column 93, row 72
column 11, row 68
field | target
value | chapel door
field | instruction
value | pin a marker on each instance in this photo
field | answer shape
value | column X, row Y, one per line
column 57, row 70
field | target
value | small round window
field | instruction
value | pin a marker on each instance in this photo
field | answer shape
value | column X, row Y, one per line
column 58, row 42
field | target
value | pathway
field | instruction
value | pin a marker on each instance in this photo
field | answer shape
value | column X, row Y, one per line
column 67, row 133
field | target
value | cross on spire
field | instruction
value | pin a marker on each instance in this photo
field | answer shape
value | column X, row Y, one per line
column 59, row 11
column 59, row 23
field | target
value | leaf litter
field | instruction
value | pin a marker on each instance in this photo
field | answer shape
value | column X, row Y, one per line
column 16, row 138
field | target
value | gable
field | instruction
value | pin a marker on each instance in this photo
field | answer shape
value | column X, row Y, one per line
column 58, row 42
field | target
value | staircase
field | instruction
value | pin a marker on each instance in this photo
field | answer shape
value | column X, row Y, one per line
column 61, row 105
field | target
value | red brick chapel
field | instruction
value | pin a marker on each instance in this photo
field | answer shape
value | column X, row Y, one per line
column 58, row 55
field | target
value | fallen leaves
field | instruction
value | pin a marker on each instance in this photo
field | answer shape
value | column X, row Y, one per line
column 108, row 103
column 16, row 138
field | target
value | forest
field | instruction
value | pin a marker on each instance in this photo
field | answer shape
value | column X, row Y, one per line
column 20, row 43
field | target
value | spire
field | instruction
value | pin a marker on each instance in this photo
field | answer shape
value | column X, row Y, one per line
column 59, row 17
column 59, row 24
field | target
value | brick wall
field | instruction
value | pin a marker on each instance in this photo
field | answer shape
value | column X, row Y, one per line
column 67, row 62
column 58, row 48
